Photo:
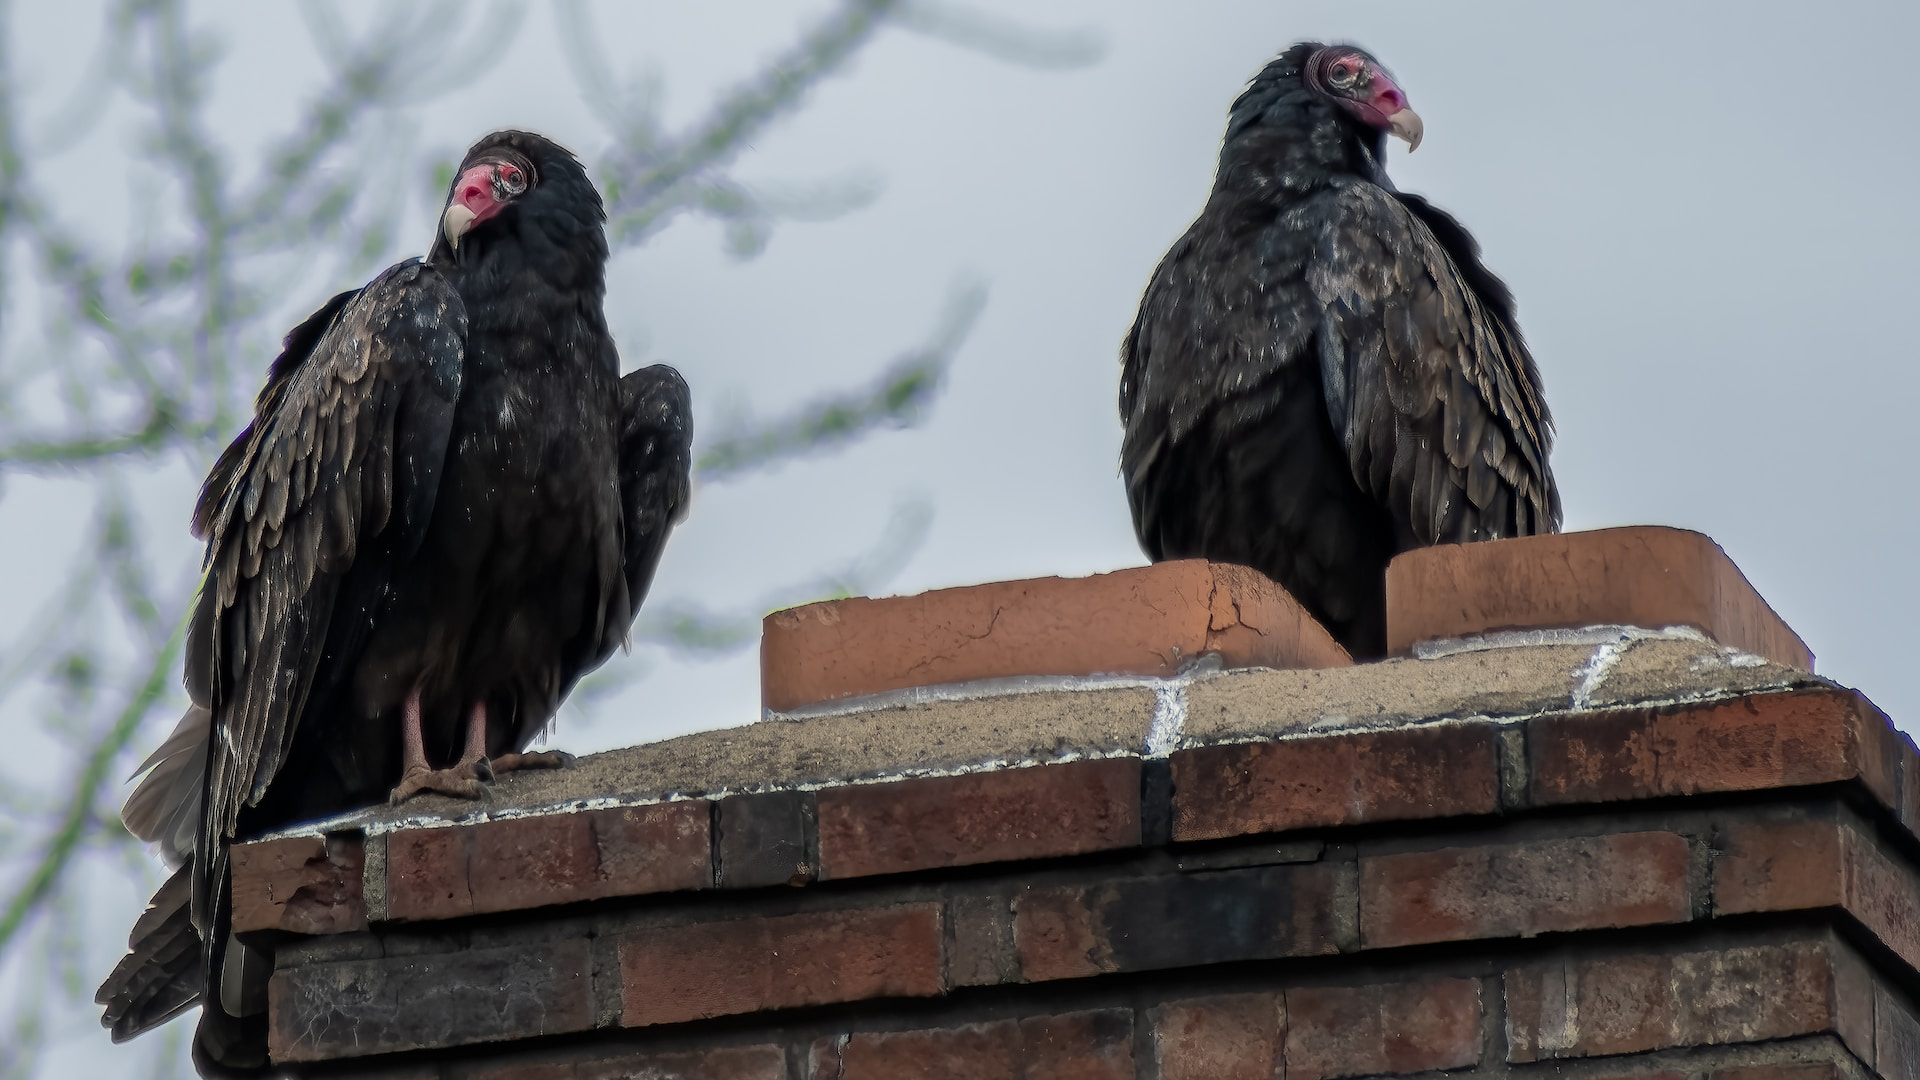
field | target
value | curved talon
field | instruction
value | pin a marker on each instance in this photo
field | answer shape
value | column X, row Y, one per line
column 545, row 759
column 458, row 782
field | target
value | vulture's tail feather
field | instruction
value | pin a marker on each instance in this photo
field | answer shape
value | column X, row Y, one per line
column 160, row 977
column 165, row 808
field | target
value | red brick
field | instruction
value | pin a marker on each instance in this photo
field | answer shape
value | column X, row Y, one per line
column 664, row 847
column 427, row 874
column 1588, row 1006
column 1638, row 576
column 764, row 1062
column 1233, row 790
column 403, row 1072
column 1760, row 741
column 1337, row 1031
column 678, row 973
column 1074, row 1046
column 548, row 859
column 1780, row 866
column 521, row 1070
column 1523, row 889
column 1231, row 1037
column 1146, row 924
column 304, row 884
column 319, row 1012
column 1041, row 812
column 1817, row 1070
column 975, row 1052
column 1078, row 1046
column 1149, row 620
column 1789, row 865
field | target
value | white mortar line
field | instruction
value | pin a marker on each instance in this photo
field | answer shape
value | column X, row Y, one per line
column 1169, row 718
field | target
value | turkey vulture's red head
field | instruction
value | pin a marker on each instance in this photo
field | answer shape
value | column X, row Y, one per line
column 1356, row 82
column 518, row 188
column 486, row 186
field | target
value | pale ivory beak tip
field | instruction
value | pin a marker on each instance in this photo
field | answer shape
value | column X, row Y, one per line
column 457, row 221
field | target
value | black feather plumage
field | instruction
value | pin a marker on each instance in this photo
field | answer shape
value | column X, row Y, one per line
column 1323, row 373
column 446, row 489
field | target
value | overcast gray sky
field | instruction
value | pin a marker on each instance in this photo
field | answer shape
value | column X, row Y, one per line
column 1701, row 208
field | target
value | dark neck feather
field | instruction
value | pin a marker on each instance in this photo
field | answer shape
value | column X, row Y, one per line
column 540, row 270
column 1284, row 140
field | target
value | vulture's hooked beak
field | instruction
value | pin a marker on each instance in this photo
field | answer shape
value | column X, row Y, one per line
column 474, row 199
column 455, row 223
column 1406, row 125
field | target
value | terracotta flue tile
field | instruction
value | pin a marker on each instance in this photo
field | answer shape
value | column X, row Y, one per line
column 1151, row 620
column 1647, row 576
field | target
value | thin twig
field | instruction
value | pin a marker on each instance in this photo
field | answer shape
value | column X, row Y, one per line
column 86, row 789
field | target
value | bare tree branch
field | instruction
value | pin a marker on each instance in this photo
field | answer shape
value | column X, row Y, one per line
column 85, row 790
column 897, row 398
column 120, row 362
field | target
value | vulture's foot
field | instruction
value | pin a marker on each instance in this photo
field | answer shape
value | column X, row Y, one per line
column 546, row 759
column 467, row 780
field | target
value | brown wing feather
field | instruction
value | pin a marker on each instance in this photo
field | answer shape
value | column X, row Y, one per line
column 1435, row 370
column 285, row 512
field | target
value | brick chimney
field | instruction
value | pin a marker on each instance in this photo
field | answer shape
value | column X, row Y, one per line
column 1598, row 820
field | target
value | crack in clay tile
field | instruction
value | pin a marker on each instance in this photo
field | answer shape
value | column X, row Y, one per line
column 941, row 658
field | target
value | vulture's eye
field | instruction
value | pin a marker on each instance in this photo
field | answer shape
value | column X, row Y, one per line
column 512, row 180
column 1342, row 74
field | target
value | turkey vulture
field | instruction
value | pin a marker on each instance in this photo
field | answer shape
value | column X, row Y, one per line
column 1322, row 373
column 447, row 509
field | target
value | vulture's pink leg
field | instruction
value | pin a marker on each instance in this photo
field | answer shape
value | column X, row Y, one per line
column 462, row 781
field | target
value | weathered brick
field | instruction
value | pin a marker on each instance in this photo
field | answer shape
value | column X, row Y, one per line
column 1794, row 865
column 1445, row 770
column 1074, row 1046
column 1078, row 1046
column 1523, row 889
column 404, row 1072
column 1143, row 924
column 1413, row 1027
column 558, row 858
column 679, row 973
column 1229, row 1037
column 303, row 884
column 427, row 874
column 1909, row 781
column 1896, row 1037
column 665, row 847
column 1779, row 866
column 1812, row 1070
column 981, row 953
column 1593, row 1006
column 764, row 839
column 524, row 1070
column 1760, row 741
column 1041, row 812
column 988, row 1051
column 359, row 1007
column 763, row 1062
